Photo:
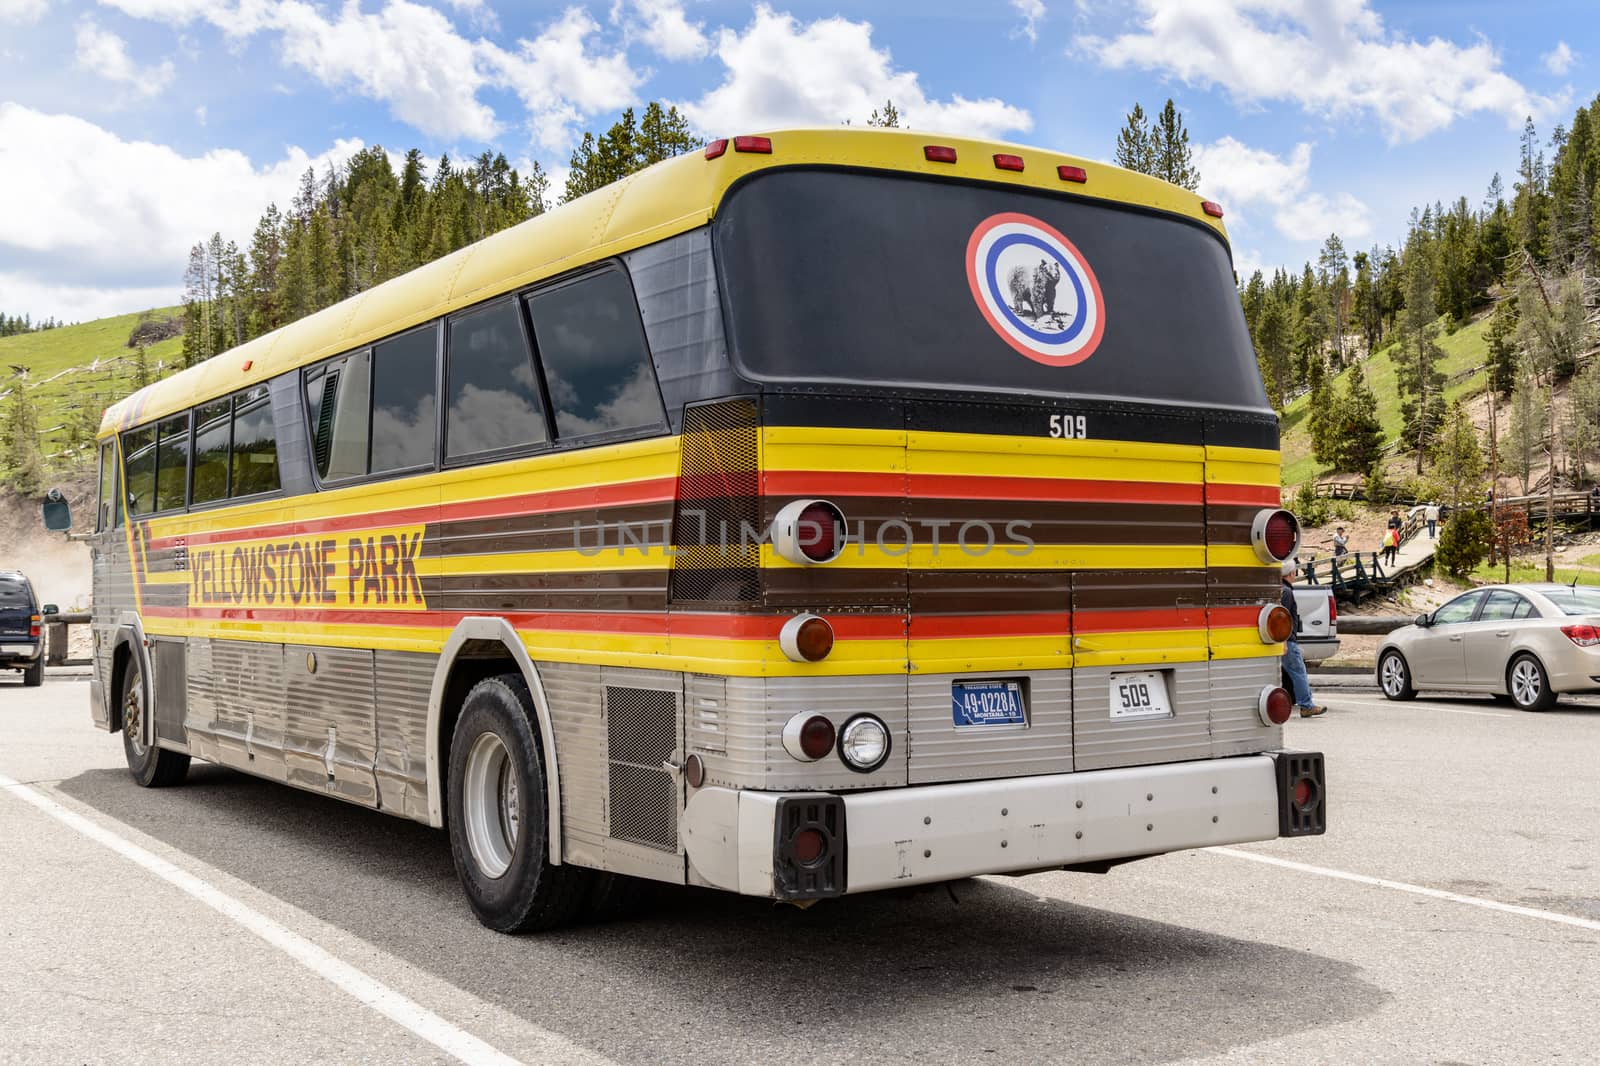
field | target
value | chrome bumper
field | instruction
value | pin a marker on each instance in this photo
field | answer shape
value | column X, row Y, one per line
column 907, row 836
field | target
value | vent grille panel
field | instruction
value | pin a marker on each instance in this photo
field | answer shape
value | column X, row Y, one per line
column 717, row 524
column 641, row 735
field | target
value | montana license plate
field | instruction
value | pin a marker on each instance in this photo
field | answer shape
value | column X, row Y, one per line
column 987, row 703
column 1140, row 696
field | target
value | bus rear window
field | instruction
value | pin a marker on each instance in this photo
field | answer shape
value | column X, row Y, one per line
column 834, row 276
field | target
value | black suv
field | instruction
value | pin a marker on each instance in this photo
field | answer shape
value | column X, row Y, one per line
column 21, row 647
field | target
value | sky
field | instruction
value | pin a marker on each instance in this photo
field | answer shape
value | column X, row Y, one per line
column 129, row 129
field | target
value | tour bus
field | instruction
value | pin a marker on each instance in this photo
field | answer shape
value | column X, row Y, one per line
column 812, row 514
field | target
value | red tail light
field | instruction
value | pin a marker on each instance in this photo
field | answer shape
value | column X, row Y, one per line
column 809, row 847
column 809, row 532
column 33, row 626
column 1212, row 208
column 1333, row 610
column 938, row 153
column 1305, row 790
column 716, row 148
column 763, row 145
column 808, row 737
column 1584, row 636
column 1008, row 162
column 1275, row 535
column 1077, row 174
column 1274, row 705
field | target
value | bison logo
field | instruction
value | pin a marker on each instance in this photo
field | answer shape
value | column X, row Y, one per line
column 1035, row 289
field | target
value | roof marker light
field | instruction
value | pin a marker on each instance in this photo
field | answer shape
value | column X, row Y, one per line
column 248, row 363
column 1212, row 208
column 762, row 145
column 1008, row 162
column 1077, row 174
column 938, row 153
column 716, row 147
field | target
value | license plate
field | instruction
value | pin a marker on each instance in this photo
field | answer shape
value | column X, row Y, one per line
column 1139, row 696
column 974, row 703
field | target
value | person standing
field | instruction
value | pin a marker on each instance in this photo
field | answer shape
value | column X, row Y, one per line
column 1391, row 544
column 1294, row 663
column 1341, row 542
column 1395, row 522
column 1431, row 513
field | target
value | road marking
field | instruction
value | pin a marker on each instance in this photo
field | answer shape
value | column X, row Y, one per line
column 1424, row 706
column 393, row 1005
column 1416, row 890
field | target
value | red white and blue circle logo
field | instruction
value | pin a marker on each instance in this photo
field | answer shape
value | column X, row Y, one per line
column 1036, row 289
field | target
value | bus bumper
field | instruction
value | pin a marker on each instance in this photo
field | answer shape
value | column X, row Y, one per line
column 752, row 843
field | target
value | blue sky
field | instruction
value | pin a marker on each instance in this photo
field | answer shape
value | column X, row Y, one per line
column 131, row 128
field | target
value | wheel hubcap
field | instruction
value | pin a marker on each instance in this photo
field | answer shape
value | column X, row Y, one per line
column 1525, row 683
column 491, row 805
column 1393, row 679
column 133, row 719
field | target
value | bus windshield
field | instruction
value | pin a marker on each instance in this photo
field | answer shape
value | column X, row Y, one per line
column 849, row 277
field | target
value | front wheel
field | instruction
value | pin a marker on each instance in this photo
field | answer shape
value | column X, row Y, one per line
column 152, row 766
column 1394, row 677
column 1529, row 685
column 498, row 815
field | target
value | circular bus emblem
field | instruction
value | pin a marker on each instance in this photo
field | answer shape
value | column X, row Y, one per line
column 1036, row 289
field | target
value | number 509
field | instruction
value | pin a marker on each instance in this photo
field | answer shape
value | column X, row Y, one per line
column 1073, row 426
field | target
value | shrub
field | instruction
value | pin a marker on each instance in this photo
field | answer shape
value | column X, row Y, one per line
column 1464, row 543
column 1311, row 509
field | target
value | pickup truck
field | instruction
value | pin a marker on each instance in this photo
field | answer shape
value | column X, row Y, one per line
column 1319, row 622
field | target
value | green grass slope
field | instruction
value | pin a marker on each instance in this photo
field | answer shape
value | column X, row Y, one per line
column 1465, row 350
column 65, row 381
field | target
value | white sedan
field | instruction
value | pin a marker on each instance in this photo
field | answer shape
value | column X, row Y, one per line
column 1529, row 643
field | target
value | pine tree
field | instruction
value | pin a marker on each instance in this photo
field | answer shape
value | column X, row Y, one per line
column 1458, row 458
column 1531, row 208
column 1334, row 275
column 1134, row 149
column 888, row 118
column 1525, row 438
column 1582, row 430
column 1501, row 339
column 1358, row 444
column 1417, row 374
column 23, row 461
column 1274, row 353
column 141, row 367
column 1169, row 148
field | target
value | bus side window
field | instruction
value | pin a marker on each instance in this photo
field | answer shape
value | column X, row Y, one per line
column 404, row 414
column 110, row 514
column 596, row 364
column 492, row 388
column 213, row 426
column 139, row 459
column 172, row 463
column 338, row 398
column 255, row 445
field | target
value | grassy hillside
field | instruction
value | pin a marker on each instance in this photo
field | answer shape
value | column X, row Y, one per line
column 77, row 371
column 1465, row 350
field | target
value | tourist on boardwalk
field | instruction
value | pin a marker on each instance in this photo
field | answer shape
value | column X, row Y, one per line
column 1431, row 513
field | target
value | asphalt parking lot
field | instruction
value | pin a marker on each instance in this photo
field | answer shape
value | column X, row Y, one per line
column 1451, row 915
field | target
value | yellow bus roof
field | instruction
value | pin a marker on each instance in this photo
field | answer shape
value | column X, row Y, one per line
column 659, row 202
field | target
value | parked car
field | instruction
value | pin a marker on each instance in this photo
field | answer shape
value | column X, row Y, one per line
column 1319, row 622
column 21, row 647
column 1527, row 643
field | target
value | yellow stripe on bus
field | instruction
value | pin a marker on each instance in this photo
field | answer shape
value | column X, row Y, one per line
column 950, row 556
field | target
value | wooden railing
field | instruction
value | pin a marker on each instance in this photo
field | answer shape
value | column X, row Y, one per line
column 55, row 645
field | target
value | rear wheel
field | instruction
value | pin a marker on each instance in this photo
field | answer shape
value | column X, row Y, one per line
column 152, row 766
column 1529, row 685
column 33, row 676
column 498, row 815
column 1394, row 677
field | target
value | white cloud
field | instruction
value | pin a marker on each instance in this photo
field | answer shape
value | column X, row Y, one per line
column 663, row 27
column 104, row 53
column 411, row 57
column 780, row 73
column 1559, row 59
column 1333, row 58
column 1234, row 173
column 1032, row 12
column 82, row 245
column 23, row 10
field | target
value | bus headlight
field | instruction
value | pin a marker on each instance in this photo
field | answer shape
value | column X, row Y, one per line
column 864, row 743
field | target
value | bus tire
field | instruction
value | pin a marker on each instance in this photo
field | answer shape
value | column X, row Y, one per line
column 33, row 676
column 152, row 767
column 498, row 818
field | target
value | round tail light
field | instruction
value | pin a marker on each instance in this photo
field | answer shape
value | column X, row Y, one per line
column 1274, row 705
column 1275, row 535
column 809, row 847
column 1276, row 624
column 809, row 532
column 808, row 737
column 1305, row 793
column 806, row 638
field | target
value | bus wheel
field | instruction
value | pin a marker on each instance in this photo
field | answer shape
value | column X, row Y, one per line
column 153, row 766
column 498, row 817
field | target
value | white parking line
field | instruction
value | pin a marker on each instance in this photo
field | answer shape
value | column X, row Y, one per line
column 400, row 1009
column 1379, row 702
column 1416, row 890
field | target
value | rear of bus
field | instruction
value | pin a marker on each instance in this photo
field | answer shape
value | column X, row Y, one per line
column 1019, row 481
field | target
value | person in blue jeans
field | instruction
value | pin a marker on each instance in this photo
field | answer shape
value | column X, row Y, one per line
column 1294, row 664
